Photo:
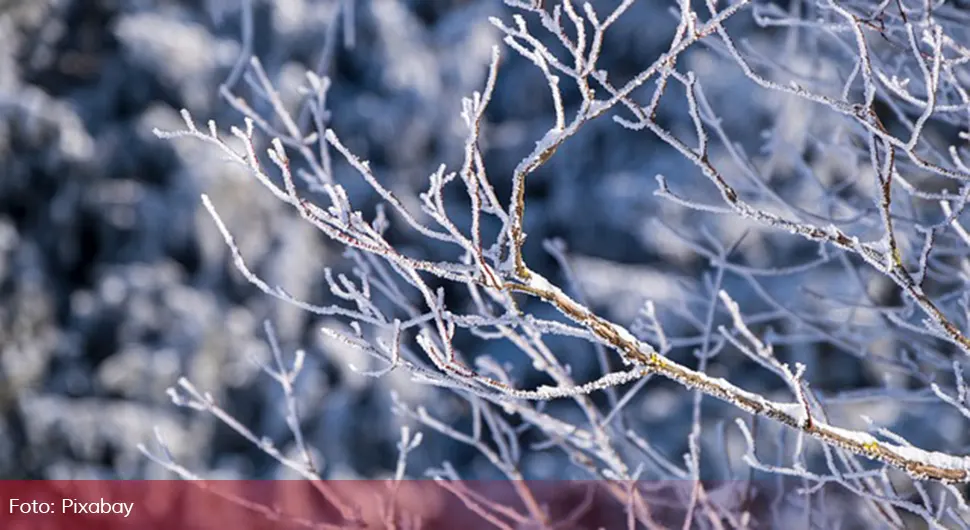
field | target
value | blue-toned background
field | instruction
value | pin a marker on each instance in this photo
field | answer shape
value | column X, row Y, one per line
column 114, row 281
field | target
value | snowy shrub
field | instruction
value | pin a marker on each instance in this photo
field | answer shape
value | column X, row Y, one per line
column 699, row 242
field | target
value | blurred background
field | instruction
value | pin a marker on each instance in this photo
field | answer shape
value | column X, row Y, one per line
column 114, row 281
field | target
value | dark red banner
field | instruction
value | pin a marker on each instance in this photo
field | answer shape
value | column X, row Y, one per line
column 430, row 505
